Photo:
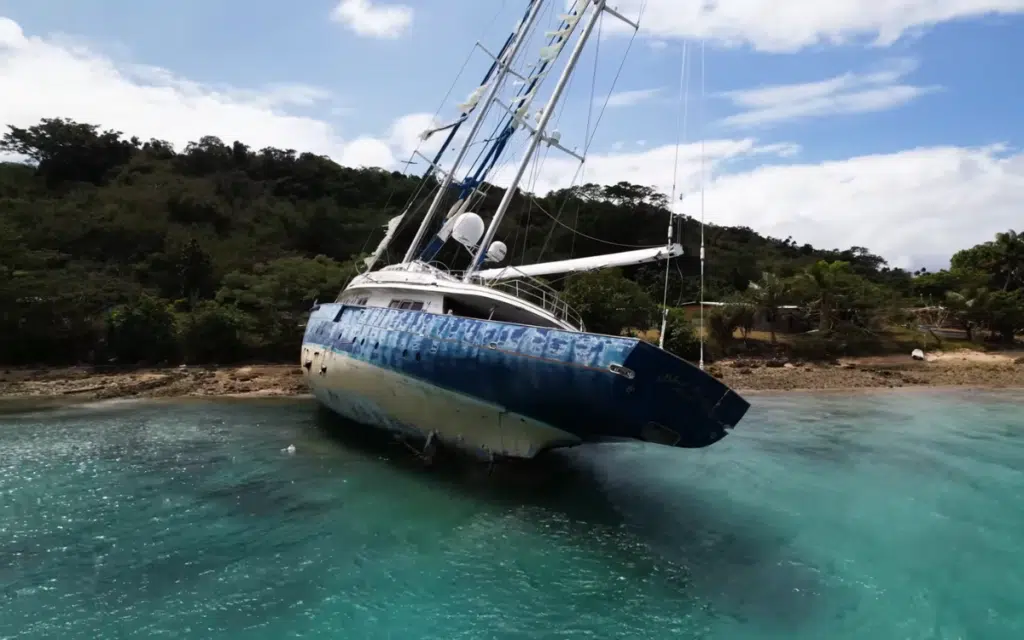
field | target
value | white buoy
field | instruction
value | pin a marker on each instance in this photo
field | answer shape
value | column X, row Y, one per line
column 290, row 449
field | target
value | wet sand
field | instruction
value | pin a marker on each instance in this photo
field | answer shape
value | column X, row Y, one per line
column 957, row 369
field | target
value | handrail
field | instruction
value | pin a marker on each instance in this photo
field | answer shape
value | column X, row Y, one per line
column 527, row 289
column 541, row 296
column 537, row 293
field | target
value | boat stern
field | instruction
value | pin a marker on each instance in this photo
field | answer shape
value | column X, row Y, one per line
column 674, row 403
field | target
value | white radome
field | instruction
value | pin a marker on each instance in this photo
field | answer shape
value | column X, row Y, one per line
column 497, row 251
column 468, row 230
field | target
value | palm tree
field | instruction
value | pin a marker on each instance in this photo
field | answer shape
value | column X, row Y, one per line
column 1009, row 248
column 823, row 281
column 767, row 295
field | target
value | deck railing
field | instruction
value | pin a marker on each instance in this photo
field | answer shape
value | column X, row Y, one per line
column 527, row 289
column 539, row 295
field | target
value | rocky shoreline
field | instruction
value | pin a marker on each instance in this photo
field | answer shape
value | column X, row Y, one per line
column 88, row 383
column 958, row 369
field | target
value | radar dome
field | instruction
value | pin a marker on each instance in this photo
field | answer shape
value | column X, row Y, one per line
column 497, row 251
column 468, row 230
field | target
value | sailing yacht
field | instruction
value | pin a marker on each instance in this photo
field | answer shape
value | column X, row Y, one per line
column 491, row 361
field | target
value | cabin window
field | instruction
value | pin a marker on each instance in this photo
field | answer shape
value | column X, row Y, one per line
column 359, row 301
column 411, row 305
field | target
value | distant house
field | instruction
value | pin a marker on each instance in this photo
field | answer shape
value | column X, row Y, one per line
column 789, row 318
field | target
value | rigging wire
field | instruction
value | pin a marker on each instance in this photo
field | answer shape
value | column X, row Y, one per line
column 538, row 164
column 589, row 237
column 488, row 158
column 444, row 101
column 681, row 118
column 590, row 140
column 502, row 124
column 703, row 176
column 590, row 117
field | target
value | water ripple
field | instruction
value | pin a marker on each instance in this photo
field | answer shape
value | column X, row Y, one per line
column 881, row 515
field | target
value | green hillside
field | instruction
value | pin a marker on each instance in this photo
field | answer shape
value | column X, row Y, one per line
column 117, row 249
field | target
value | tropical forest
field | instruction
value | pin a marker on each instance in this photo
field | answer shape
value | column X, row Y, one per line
column 120, row 251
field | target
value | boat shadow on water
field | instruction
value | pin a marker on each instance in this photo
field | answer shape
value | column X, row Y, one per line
column 624, row 506
column 724, row 560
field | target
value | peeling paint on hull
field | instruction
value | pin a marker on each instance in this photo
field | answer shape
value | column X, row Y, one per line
column 375, row 396
column 506, row 389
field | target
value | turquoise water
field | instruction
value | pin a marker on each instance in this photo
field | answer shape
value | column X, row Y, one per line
column 895, row 515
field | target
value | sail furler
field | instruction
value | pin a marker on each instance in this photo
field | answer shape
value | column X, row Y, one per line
column 391, row 227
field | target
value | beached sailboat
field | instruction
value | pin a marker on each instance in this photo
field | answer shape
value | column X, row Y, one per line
column 491, row 361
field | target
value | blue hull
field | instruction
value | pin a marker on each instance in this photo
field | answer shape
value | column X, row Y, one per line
column 590, row 387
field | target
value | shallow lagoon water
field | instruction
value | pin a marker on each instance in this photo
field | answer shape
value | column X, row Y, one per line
column 881, row 515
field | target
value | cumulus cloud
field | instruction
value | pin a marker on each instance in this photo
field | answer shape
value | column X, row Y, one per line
column 405, row 134
column 652, row 167
column 845, row 94
column 907, row 205
column 770, row 25
column 628, row 98
column 366, row 18
column 41, row 78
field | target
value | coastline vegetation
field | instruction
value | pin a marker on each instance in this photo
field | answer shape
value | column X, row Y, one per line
column 117, row 250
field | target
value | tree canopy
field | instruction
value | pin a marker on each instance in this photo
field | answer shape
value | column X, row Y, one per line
column 216, row 251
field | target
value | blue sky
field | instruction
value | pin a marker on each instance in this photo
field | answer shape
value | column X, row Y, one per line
column 830, row 122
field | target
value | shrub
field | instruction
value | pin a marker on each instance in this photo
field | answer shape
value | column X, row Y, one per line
column 721, row 326
column 141, row 332
column 609, row 302
column 681, row 336
column 214, row 333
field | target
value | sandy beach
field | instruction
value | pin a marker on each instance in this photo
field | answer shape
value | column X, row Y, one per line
column 955, row 369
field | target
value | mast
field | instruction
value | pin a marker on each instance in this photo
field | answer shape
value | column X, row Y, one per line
column 535, row 139
column 504, row 66
column 502, row 134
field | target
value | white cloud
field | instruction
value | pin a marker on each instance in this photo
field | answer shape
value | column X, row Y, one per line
column 845, row 94
column 42, row 78
column 653, row 166
column 914, row 208
column 907, row 206
column 771, row 25
column 368, row 19
column 922, row 202
column 11, row 35
column 628, row 98
column 367, row 152
column 406, row 131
